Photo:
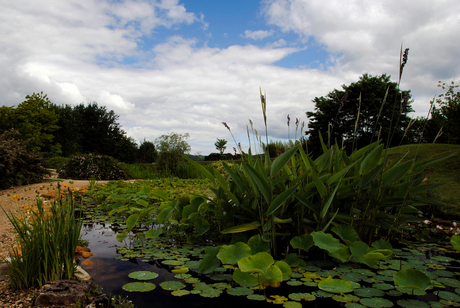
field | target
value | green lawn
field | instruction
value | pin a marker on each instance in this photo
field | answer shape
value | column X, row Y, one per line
column 447, row 171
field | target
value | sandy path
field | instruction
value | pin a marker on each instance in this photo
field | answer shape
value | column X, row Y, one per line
column 16, row 200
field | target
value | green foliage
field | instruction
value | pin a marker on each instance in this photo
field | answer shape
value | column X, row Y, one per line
column 47, row 241
column 221, row 145
column 84, row 167
column 37, row 123
column 444, row 116
column 372, row 108
column 56, row 162
column 171, row 148
column 18, row 165
column 147, row 152
column 141, row 171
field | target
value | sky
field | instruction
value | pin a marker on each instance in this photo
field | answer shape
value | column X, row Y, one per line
column 187, row 66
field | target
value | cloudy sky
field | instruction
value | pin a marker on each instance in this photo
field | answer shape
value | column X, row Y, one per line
column 186, row 66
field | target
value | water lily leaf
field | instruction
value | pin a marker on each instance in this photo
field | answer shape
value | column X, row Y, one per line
column 257, row 245
column 302, row 296
column 285, row 269
column 245, row 279
column 294, row 282
column 276, row 299
column 412, row 303
column 455, row 241
column 131, row 221
column 369, row 292
column 143, row 275
column 326, row 241
column 449, row 296
column 139, row 287
column 180, row 270
column 378, row 254
column 256, row 297
column 412, row 279
column 221, row 277
column 180, row 292
column 272, row 277
column 303, row 242
column 201, row 226
column 449, row 282
column 172, row 262
column 335, row 285
column 121, row 236
column 376, row 302
column 347, row 233
column 240, row 291
column 257, row 263
column 233, row 253
column 358, row 250
column 211, row 293
column 346, row 298
column 164, row 215
column 208, row 265
column 290, row 304
column 343, row 254
column 172, row 285
column 153, row 234
column 221, row 285
column 240, row 228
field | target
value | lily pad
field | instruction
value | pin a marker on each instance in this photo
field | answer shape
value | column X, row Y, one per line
column 233, row 253
column 449, row 296
column 240, row 291
column 335, row 285
column 376, row 302
column 290, row 304
column 369, row 292
column 412, row 303
column 139, row 287
column 143, row 275
column 180, row 292
column 172, row 285
column 257, row 263
column 256, row 297
column 412, row 279
column 302, row 296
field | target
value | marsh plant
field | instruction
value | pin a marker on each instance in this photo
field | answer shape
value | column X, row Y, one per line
column 48, row 237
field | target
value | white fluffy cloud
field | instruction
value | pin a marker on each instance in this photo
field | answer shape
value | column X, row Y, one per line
column 79, row 51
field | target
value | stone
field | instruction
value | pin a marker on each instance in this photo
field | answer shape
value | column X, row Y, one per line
column 63, row 293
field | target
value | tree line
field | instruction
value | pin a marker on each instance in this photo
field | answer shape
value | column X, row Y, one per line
column 63, row 130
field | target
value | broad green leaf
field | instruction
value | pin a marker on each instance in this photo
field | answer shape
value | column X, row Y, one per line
column 240, row 228
column 396, row 173
column 285, row 269
column 455, row 241
column 164, row 215
column 329, row 202
column 153, row 234
column 131, row 221
column 281, row 161
column 371, row 160
column 224, row 186
column 200, row 168
column 280, row 199
column 258, row 263
column 326, row 241
column 233, row 253
column 378, row 254
column 303, row 242
column 272, row 277
column 358, row 250
column 201, row 226
column 412, row 279
column 208, row 264
column 139, row 287
column 261, row 181
column 122, row 236
column 142, row 202
column 335, row 285
column 257, row 245
column 245, row 279
column 319, row 186
column 143, row 275
column 347, row 233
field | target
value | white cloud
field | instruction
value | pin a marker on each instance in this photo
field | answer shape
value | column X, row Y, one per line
column 365, row 36
column 257, row 35
column 73, row 52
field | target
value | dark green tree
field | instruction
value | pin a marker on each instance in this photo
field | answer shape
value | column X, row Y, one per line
column 369, row 109
column 37, row 124
column 171, row 148
column 445, row 115
column 68, row 134
column 147, row 152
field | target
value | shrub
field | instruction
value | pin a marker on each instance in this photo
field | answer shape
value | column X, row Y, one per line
column 18, row 166
column 56, row 162
column 100, row 167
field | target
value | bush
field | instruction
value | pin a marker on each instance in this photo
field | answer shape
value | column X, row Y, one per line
column 56, row 162
column 18, row 166
column 100, row 167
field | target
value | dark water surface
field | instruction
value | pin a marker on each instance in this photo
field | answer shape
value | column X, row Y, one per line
column 111, row 274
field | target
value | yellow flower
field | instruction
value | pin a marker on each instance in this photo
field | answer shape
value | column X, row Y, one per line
column 16, row 196
column 65, row 185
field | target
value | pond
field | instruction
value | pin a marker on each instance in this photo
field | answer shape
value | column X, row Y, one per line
column 114, row 261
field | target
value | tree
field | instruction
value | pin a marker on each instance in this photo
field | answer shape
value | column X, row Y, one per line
column 374, row 103
column 147, row 152
column 221, row 146
column 37, row 123
column 68, row 134
column 171, row 148
column 444, row 118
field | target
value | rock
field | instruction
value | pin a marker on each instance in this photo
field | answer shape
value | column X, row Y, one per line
column 63, row 293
